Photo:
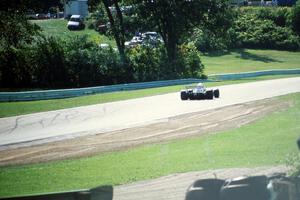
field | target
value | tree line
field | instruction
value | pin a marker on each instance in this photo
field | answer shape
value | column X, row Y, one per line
column 31, row 60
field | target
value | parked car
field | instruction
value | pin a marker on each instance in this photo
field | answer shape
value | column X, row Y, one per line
column 152, row 38
column 60, row 15
column 76, row 22
column 30, row 14
column 41, row 16
column 102, row 28
column 199, row 92
column 147, row 38
column 134, row 41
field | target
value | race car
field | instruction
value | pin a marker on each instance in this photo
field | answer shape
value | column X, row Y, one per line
column 198, row 92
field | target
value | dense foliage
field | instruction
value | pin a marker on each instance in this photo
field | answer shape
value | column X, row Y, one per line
column 29, row 59
column 293, row 164
column 254, row 27
column 15, row 34
column 44, row 6
column 173, row 19
column 49, row 62
column 295, row 17
column 265, row 28
column 76, row 62
column 152, row 63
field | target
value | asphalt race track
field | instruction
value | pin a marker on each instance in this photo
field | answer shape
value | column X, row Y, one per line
column 101, row 118
column 173, row 187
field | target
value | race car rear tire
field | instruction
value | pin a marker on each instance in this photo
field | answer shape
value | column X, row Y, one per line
column 216, row 93
column 209, row 94
column 184, row 95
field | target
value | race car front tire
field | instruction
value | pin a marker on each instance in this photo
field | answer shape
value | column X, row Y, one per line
column 216, row 93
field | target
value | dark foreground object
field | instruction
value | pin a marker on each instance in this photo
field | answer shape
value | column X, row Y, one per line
column 209, row 94
column 98, row 193
column 276, row 187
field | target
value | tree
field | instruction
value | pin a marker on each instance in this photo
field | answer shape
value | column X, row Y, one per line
column 174, row 18
column 115, row 17
column 36, row 5
column 295, row 16
column 116, row 23
column 15, row 33
column 17, row 5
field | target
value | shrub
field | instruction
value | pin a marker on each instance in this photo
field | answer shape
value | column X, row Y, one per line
column 293, row 163
column 265, row 34
column 206, row 41
column 16, row 67
column 150, row 63
column 80, row 67
column 278, row 15
column 254, row 27
column 90, row 65
column 145, row 62
column 49, row 63
column 191, row 66
column 264, row 28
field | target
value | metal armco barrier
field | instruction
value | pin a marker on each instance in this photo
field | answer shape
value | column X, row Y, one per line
column 98, row 193
column 234, row 76
column 67, row 93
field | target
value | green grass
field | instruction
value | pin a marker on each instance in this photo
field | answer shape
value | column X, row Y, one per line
column 18, row 108
column 262, row 143
column 58, row 28
column 243, row 60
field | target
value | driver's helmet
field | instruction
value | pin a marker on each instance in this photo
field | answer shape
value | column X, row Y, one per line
column 200, row 85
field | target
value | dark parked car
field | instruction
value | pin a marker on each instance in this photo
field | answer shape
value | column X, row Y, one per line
column 76, row 23
column 41, row 16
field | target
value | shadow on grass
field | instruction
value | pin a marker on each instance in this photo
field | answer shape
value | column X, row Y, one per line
column 218, row 53
column 243, row 54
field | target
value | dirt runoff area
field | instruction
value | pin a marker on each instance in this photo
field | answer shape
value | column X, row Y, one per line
column 183, row 126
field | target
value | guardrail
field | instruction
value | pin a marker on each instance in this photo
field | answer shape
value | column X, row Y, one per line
column 98, row 193
column 234, row 76
column 67, row 93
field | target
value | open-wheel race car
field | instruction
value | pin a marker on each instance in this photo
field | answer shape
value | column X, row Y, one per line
column 198, row 92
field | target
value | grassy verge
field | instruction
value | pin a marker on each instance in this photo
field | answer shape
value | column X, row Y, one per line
column 18, row 108
column 264, row 142
column 243, row 60
column 58, row 28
